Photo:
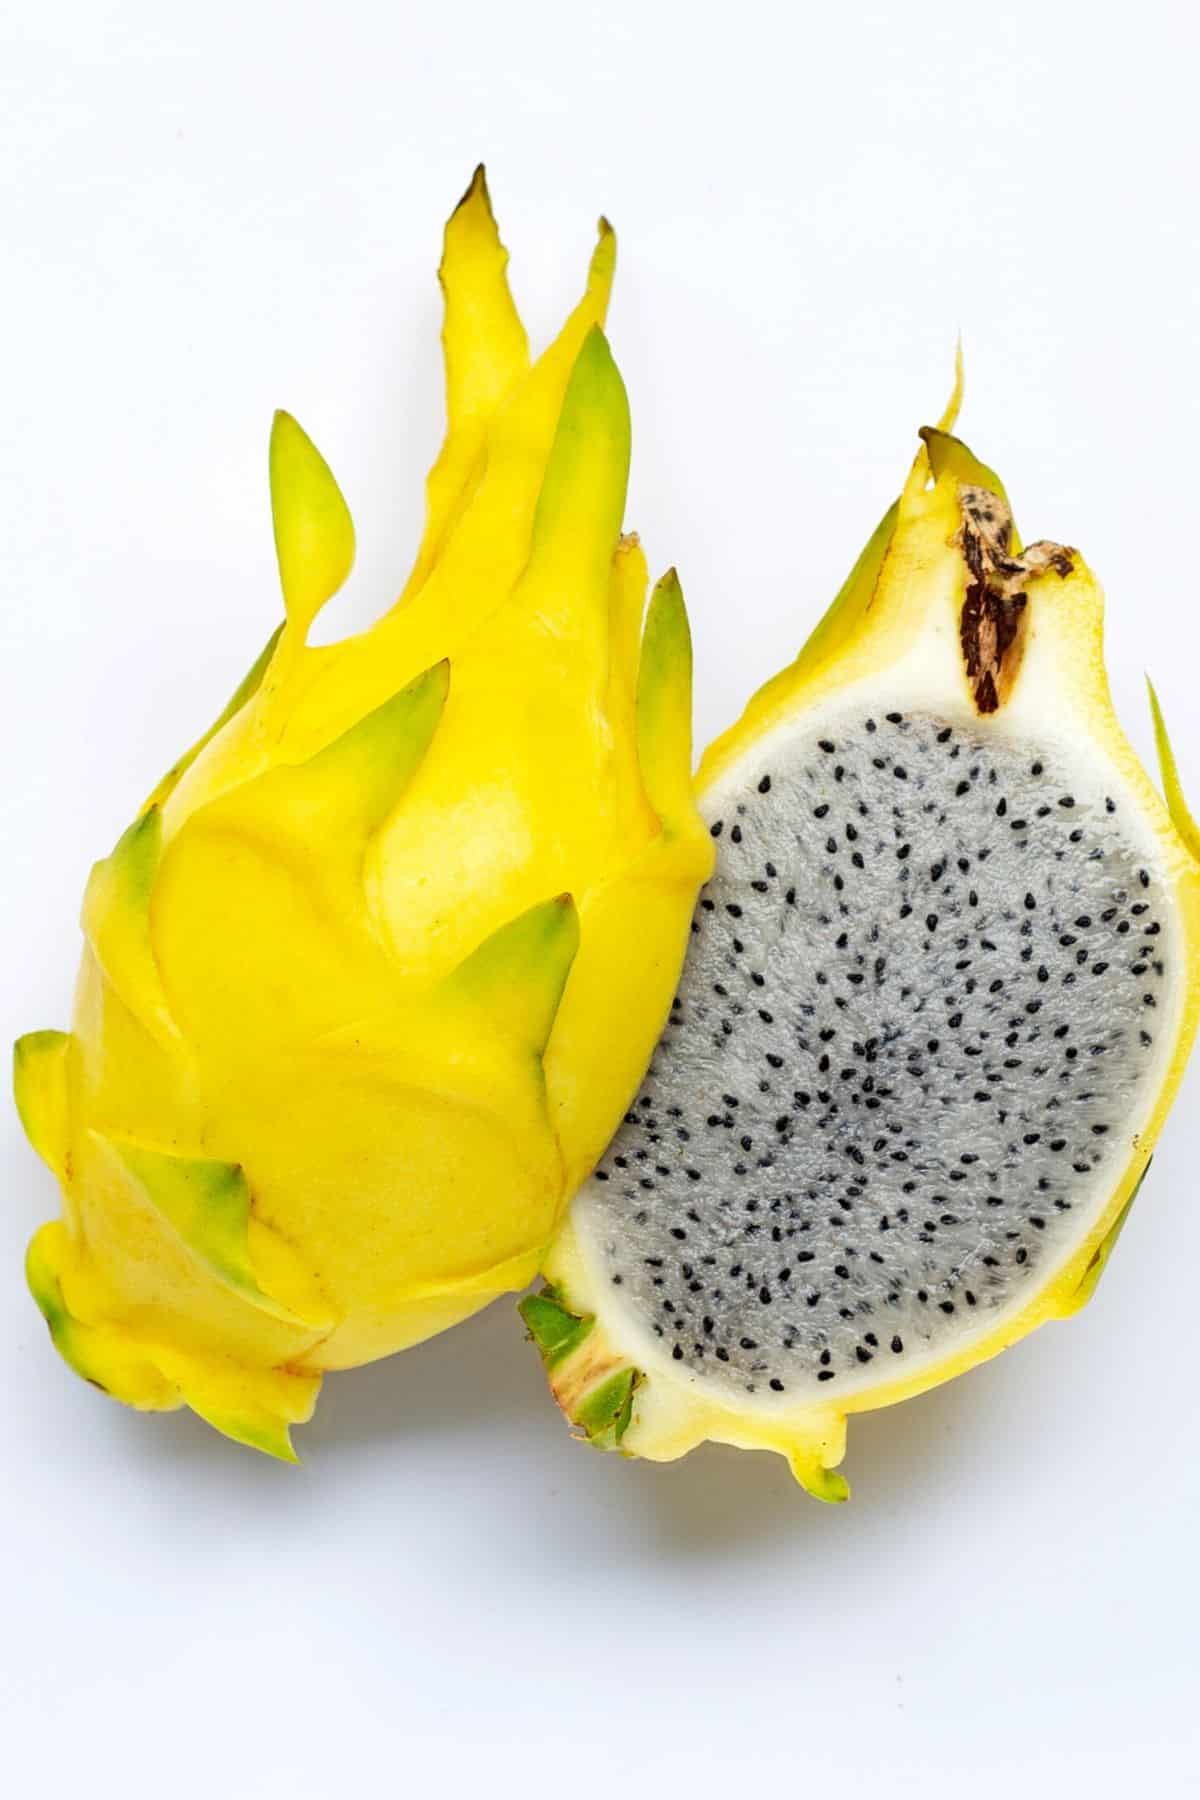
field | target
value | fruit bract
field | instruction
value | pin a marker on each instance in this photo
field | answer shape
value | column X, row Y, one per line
column 369, row 982
column 939, row 995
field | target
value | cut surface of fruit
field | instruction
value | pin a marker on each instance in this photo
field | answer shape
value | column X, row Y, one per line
column 939, row 993
column 370, row 980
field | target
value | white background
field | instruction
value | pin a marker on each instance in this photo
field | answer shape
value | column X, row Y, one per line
column 211, row 210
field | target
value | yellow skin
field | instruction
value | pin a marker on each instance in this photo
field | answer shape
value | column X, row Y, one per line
column 905, row 593
column 370, row 981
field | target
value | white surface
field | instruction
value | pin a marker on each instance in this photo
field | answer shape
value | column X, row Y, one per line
column 204, row 220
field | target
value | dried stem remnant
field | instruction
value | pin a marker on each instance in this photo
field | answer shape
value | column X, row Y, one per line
column 994, row 614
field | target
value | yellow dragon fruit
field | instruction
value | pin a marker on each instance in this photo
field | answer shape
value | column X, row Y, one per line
column 941, row 992
column 370, row 980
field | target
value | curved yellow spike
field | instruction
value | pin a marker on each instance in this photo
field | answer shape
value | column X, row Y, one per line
column 254, row 1407
column 822, row 1483
column 949, row 456
column 40, row 1090
column 517, row 976
column 344, row 793
column 256, row 1428
column 626, row 608
column 486, row 354
column 953, row 406
column 853, row 599
column 118, row 1367
column 525, row 425
column 116, row 921
column 485, row 344
column 664, row 705
column 251, row 1406
column 582, row 499
column 1181, row 814
column 208, row 1206
column 314, row 533
column 603, row 265
column 245, row 690
column 361, row 775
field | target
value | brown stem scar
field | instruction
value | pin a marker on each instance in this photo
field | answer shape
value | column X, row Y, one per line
column 995, row 615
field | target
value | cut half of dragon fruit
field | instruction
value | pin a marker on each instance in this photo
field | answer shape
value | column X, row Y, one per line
column 939, row 997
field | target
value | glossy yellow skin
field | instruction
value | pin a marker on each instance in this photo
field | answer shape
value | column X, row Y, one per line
column 369, row 984
column 908, row 585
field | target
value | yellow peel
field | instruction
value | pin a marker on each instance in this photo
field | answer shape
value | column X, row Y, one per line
column 370, row 981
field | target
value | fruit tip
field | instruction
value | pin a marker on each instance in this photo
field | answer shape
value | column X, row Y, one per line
column 476, row 189
column 604, row 259
column 595, row 351
column 668, row 585
column 953, row 406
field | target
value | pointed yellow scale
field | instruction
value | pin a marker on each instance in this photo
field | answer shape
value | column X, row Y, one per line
column 110, row 1361
column 628, row 583
column 116, row 922
column 582, row 498
column 346, row 791
column 254, row 1407
column 516, row 979
column 949, row 456
column 664, row 705
column 314, row 533
column 846, row 614
column 271, row 878
column 1181, row 813
column 257, row 1409
column 40, row 1091
column 343, row 907
column 208, row 1204
column 486, row 354
column 246, row 688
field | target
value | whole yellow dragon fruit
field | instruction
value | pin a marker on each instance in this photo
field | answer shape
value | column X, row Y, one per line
column 369, row 982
